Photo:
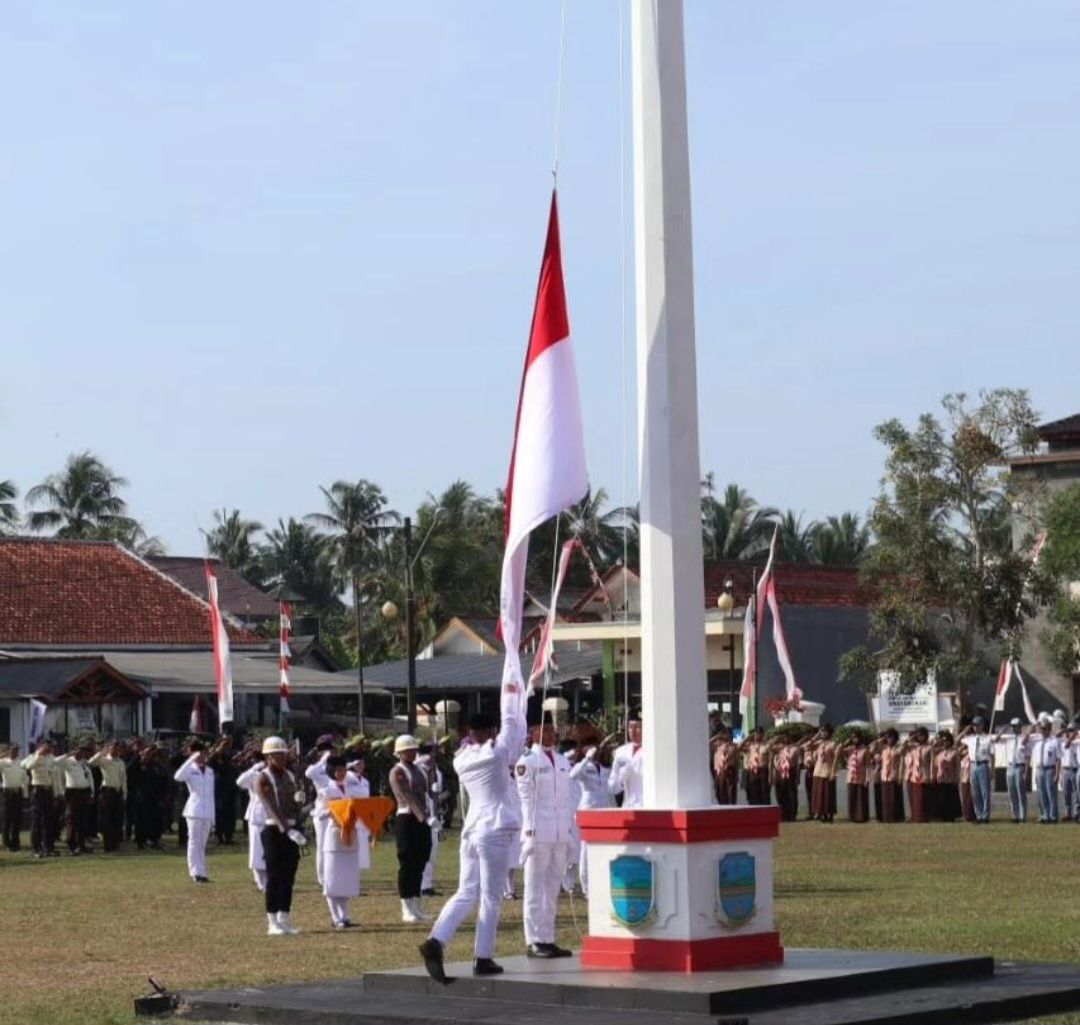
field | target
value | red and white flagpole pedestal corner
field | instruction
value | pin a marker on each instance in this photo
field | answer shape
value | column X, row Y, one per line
column 680, row 891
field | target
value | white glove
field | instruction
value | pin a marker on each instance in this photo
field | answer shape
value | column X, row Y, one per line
column 297, row 837
column 527, row 849
column 590, row 754
column 433, row 822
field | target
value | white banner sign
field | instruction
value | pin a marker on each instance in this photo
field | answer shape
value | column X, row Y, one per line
column 896, row 708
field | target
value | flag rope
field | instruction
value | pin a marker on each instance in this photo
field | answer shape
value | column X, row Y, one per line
column 558, row 93
column 623, row 337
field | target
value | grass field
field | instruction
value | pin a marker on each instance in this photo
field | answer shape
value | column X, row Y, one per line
column 82, row 934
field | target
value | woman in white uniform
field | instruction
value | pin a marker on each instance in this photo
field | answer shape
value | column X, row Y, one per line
column 342, row 860
column 255, row 817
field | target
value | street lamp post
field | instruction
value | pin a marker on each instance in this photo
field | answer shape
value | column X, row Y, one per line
column 390, row 611
column 725, row 602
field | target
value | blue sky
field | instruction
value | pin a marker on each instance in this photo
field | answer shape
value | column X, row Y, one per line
column 250, row 248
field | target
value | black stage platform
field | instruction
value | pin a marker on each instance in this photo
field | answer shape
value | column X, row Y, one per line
column 815, row 987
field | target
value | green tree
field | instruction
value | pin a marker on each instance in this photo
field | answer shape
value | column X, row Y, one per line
column 950, row 584
column 358, row 525
column 9, row 511
column 840, row 541
column 1060, row 569
column 232, row 540
column 81, row 502
column 735, row 526
column 794, row 542
column 297, row 558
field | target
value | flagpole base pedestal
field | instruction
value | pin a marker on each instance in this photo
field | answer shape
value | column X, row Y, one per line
column 686, row 890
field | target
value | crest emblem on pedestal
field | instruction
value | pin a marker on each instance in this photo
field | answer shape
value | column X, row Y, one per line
column 737, row 889
column 632, row 890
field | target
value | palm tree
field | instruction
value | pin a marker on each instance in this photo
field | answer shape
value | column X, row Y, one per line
column 840, row 541
column 79, row 502
column 356, row 518
column 458, row 570
column 735, row 527
column 600, row 533
column 9, row 511
column 794, row 542
column 297, row 558
column 232, row 541
column 132, row 535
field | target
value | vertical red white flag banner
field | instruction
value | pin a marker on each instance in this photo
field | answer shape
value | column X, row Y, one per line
column 197, row 719
column 284, row 655
column 547, row 465
column 749, row 678
column 545, row 651
column 222, row 668
column 1003, row 681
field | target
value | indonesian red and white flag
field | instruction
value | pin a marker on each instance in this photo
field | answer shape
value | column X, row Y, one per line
column 547, row 466
column 284, row 655
column 222, row 669
column 197, row 719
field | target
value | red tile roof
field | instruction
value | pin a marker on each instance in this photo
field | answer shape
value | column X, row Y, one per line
column 795, row 584
column 95, row 593
column 236, row 595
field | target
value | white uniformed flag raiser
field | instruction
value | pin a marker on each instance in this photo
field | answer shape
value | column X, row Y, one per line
column 547, row 466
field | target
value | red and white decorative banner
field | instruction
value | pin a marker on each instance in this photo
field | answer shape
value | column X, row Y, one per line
column 285, row 655
column 197, row 719
column 222, row 668
column 545, row 652
column 547, row 466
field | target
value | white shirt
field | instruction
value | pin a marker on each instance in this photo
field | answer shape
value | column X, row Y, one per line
column 1070, row 754
column 200, row 802
column 77, row 775
column 627, row 767
column 484, row 770
column 592, row 778
column 317, row 771
column 255, row 814
column 1046, row 752
column 980, row 747
column 545, row 789
column 1017, row 749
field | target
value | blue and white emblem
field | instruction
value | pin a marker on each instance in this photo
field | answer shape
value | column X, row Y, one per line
column 632, row 890
column 737, row 889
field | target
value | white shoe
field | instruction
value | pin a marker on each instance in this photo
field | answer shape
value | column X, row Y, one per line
column 408, row 914
column 285, row 925
column 420, row 913
column 272, row 927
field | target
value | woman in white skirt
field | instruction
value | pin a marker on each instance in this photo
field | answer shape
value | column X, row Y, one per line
column 342, row 860
column 255, row 817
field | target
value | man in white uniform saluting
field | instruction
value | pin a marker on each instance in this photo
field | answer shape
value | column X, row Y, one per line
column 547, row 807
column 484, row 768
column 627, row 766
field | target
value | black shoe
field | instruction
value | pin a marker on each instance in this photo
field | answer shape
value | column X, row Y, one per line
column 53, row 853
column 486, row 966
column 541, row 950
column 201, row 879
column 557, row 951
column 432, row 952
column 430, row 893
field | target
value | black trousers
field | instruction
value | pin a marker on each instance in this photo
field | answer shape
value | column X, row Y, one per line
column 282, row 858
column 42, row 837
column 110, row 818
column 78, row 804
column 787, row 796
column 413, row 850
column 11, row 815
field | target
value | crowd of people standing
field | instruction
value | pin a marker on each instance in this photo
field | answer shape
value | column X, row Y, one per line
column 920, row 778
